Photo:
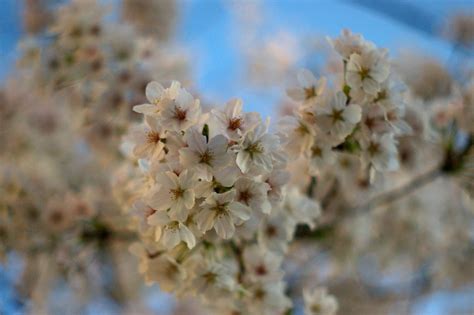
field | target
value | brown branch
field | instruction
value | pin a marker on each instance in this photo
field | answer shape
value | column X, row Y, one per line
column 400, row 192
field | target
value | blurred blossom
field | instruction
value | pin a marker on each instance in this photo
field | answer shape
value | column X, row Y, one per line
column 426, row 77
column 36, row 15
column 459, row 29
column 271, row 59
column 151, row 17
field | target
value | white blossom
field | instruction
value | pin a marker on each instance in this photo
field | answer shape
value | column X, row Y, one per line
column 262, row 265
column 367, row 71
column 319, row 302
column 175, row 193
column 148, row 141
column 320, row 154
column 255, row 153
column 337, row 119
column 181, row 113
column 156, row 94
column 212, row 280
column 310, row 88
column 297, row 135
column 202, row 156
column 349, row 43
column 221, row 212
column 253, row 194
column 170, row 232
column 381, row 152
column 268, row 298
column 232, row 122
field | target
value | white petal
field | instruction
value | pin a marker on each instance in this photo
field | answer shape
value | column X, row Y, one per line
column 224, row 197
column 205, row 219
column 306, row 78
column 296, row 94
column 171, row 238
column 184, row 99
column 233, row 108
column 224, row 226
column 187, row 236
column 188, row 157
column 146, row 109
column 178, row 211
column 218, row 144
column 228, row 175
column 161, row 200
column 153, row 92
column 243, row 161
column 370, row 86
column 340, row 100
column 239, row 210
column 188, row 198
column 352, row 113
column 158, row 218
column 380, row 73
column 196, row 140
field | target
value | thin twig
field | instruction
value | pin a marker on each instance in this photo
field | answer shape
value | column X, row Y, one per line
column 400, row 192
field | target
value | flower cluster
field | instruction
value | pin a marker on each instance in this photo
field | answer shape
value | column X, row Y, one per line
column 101, row 67
column 212, row 211
column 361, row 114
column 319, row 302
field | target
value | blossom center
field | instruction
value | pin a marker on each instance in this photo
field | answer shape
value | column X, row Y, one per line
column 382, row 95
column 56, row 217
column 209, row 277
column 259, row 294
column 309, row 92
column 316, row 308
column 149, row 211
column 261, row 270
column 177, row 193
column 206, row 157
column 271, row 231
column 153, row 137
column 370, row 123
column 235, row 123
column 374, row 148
column 302, row 129
column 337, row 115
column 391, row 116
column 254, row 148
column 220, row 208
column 316, row 151
column 364, row 73
column 179, row 113
column 171, row 269
column 173, row 226
column 245, row 196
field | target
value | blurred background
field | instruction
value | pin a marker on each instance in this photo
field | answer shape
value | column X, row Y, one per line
column 252, row 50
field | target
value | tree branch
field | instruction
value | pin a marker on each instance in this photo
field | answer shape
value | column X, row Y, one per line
column 404, row 190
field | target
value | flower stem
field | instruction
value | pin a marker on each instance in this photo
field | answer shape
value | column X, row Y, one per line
column 400, row 192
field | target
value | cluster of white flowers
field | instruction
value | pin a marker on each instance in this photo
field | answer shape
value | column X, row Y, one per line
column 213, row 213
column 319, row 302
column 100, row 65
column 360, row 114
